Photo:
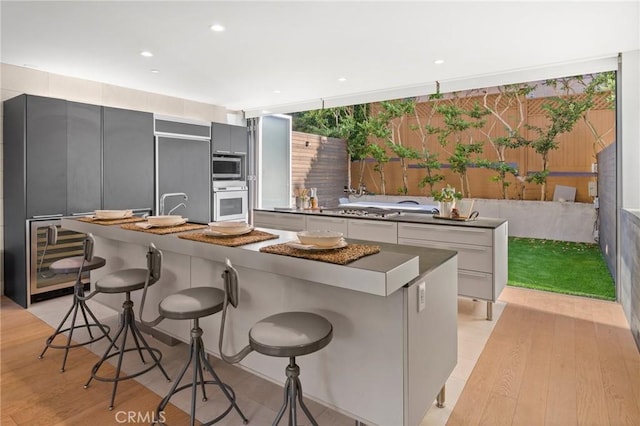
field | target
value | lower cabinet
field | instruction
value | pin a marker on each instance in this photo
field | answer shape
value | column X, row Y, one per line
column 373, row 230
column 328, row 224
column 285, row 221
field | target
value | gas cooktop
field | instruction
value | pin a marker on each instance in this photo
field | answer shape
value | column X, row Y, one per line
column 375, row 212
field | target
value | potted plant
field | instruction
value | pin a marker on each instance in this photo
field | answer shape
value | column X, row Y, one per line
column 447, row 197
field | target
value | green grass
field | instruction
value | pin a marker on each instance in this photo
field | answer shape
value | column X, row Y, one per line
column 560, row 267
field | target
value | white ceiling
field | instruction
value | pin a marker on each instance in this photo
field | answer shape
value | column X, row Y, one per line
column 302, row 48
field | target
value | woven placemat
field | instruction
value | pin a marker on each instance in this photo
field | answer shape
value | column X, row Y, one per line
column 111, row 221
column 339, row 256
column 165, row 229
column 252, row 237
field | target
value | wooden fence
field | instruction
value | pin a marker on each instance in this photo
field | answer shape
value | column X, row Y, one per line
column 570, row 165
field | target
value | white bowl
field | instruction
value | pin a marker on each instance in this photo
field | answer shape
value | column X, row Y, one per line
column 229, row 227
column 164, row 220
column 320, row 238
column 113, row 214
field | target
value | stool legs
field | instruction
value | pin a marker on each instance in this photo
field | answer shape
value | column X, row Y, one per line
column 127, row 325
column 78, row 304
column 293, row 391
column 198, row 357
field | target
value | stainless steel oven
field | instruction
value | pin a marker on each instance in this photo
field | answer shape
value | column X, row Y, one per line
column 227, row 167
column 42, row 254
column 230, row 202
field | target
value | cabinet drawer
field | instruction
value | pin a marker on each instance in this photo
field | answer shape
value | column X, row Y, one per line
column 452, row 234
column 474, row 258
column 327, row 223
column 287, row 222
column 478, row 285
column 373, row 230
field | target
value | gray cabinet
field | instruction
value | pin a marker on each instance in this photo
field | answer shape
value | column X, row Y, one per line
column 84, row 158
column 128, row 150
column 184, row 166
column 46, row 156
column 228, row 139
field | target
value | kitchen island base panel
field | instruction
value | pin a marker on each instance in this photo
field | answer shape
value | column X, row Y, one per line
column 387, row 361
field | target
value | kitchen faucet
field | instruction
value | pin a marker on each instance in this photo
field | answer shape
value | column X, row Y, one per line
column 172, row 194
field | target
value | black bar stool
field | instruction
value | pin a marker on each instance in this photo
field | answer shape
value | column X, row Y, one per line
column 75, row 265
column 287, row 334
column 192, row 304
column 126, row 281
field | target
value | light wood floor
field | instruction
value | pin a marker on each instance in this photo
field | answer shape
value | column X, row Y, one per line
column 550, row 360
column 554, row 360
column 34, row 392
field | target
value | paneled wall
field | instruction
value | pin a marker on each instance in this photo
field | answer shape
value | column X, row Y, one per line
column 319, row 162
column 607, row 211
column 630, row 269
column 18, row 80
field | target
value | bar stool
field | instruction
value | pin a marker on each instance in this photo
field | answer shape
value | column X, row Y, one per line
column 126, row 281
column 75, row 265
column 286, row 334
column 192, row 304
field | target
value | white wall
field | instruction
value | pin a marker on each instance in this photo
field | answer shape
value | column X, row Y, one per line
column 18, row 80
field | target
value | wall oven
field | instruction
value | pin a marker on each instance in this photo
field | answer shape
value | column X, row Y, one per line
column 42, row 283
column 227, row 167
column 230, row 202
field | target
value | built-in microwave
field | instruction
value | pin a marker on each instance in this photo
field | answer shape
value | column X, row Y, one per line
column 227, row 167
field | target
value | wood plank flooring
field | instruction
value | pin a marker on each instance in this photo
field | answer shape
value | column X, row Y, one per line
column 550, row 360
column 34, row 392
column 554, row 360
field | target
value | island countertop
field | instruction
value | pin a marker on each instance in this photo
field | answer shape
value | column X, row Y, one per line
column 380, row 274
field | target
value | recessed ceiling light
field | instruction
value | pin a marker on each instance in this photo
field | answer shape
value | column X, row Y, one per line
column 276, row 91
column 146, row 54
column 155, row 71
column 342, row 79
column 217, row 28
column 439, row 61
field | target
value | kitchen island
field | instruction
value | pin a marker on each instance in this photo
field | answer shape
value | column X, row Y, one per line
column 393, row 313
column 481, row 243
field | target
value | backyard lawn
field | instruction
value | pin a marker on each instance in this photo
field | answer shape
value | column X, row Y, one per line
column 559, row 266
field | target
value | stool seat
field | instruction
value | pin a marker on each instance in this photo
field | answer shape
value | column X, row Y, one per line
column 122, row 281
column 290, row 334
column 71, row 265
column 192, row 303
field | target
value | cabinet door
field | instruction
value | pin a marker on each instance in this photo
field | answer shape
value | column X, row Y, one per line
column 84, row 168
column 183, row 166
column 239, row 140
column 46, row 156
column 373, row 230
column 327, row 223
column 221, row 138
column 128, row 176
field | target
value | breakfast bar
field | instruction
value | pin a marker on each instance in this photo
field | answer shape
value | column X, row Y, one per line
column 393, row 313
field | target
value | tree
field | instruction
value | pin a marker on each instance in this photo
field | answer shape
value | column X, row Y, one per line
column 458, row 123
column 508, row 97
column 428, row 160
column 562, row 113
column 387, row 125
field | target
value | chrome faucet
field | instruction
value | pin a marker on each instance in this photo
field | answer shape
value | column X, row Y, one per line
column 176, row 207
column 172, row 194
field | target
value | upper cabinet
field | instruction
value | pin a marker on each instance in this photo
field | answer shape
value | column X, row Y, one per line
column 228, row 139
column 84, row 158
column 46, row 156
column 128, row 159
column 53, row 149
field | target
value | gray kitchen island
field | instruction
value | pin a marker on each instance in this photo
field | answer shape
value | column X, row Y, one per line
column 393, row 313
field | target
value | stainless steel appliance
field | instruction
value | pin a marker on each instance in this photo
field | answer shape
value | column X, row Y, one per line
column 227, row 167
column 230, row 200
column 369, row 212
column 42, row 283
